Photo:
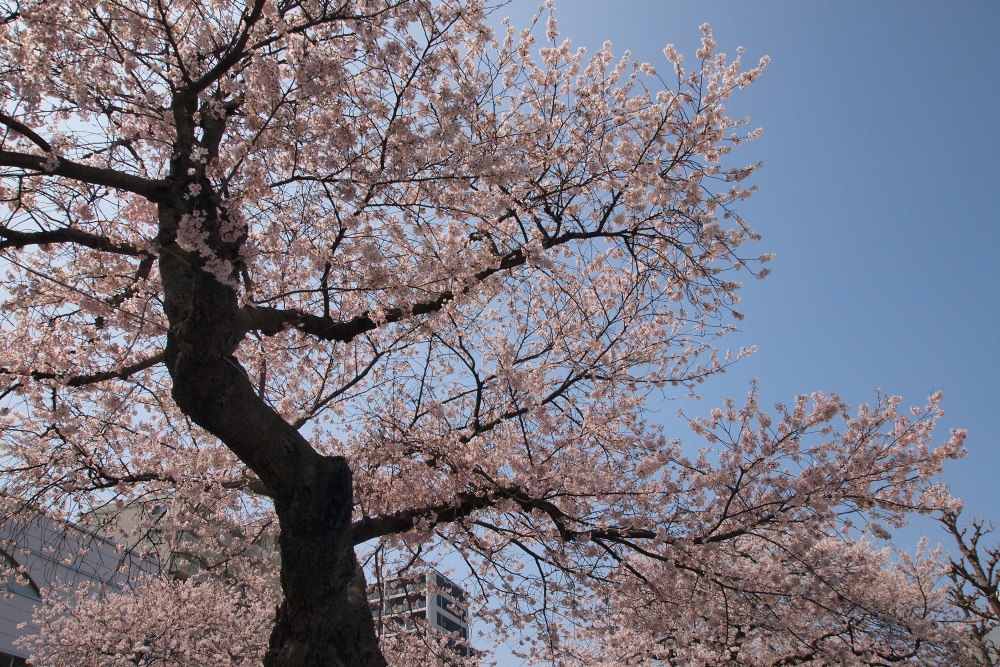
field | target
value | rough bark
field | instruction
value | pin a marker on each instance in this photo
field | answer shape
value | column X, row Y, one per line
column 324, row 620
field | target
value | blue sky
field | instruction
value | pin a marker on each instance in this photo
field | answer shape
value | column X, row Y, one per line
column 881, row 162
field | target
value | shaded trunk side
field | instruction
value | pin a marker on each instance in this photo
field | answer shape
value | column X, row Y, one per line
column 324, row 620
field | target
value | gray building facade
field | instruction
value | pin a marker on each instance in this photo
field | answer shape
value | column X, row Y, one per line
column 39, row 552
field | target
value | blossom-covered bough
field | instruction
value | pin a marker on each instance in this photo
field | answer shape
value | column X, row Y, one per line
column 365, row 267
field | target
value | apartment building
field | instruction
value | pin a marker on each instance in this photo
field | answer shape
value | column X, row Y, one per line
column 426, row 596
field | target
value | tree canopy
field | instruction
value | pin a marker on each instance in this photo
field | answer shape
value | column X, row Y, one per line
column 374, row 277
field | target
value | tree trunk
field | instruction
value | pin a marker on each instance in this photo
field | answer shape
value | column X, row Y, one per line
column 324, row 620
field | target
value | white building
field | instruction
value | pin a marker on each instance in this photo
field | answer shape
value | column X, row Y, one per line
column 405, row 602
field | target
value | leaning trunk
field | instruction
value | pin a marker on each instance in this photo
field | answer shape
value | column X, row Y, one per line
column 324, row 620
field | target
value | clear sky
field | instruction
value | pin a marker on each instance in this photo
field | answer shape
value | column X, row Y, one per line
column 881, row 156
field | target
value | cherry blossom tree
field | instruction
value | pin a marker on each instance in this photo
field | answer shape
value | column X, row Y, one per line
column 404, row 284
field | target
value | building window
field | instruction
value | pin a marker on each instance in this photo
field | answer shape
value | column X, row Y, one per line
column 7, row 660
column 450, row 607
column 449, row 625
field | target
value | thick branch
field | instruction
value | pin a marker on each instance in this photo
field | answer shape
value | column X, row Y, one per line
column 112, row 481
column 94, row 378
column 233, row 56
column 271, row 321
column 465, row 504
column 11, row 238
column 110, row 178
column 25, row 131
